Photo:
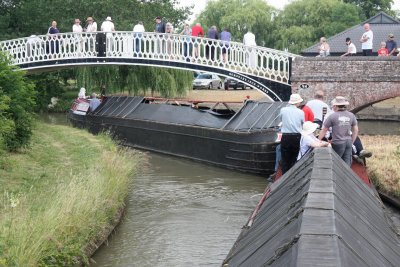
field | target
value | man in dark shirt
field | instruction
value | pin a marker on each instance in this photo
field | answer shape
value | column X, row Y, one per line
column 210, row 48
column 391, row 45
column 159, row 28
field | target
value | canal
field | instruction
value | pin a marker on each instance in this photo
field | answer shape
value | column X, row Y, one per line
column 183, row 213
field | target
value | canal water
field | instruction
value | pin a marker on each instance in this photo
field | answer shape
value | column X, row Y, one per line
column 181, row 213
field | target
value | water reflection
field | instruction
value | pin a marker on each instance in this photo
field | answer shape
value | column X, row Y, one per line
column 181, row 213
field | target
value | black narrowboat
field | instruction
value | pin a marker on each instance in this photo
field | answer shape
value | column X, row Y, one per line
column 243, row 140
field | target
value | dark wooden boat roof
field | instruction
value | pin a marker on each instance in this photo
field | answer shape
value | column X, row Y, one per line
column 318, row 214
column 253, row 116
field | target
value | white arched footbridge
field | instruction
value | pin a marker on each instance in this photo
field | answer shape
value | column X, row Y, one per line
column 265, row 69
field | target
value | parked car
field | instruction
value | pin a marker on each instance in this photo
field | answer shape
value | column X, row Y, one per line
column 208, row 81
column 235, row 84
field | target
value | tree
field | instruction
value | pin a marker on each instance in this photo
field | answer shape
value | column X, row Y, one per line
column 16, row 106
column 239, row 16
column 135, row 79
column 21, row 18
column 371, row 7
column 303, row 22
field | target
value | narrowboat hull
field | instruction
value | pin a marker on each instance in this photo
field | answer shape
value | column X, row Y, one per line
column 248, row 151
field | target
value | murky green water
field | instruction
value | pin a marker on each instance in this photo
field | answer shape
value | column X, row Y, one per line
column 181, row 213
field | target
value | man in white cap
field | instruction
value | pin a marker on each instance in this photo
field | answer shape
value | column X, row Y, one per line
column 108, row 27
column 292, row 121
column 344, row 129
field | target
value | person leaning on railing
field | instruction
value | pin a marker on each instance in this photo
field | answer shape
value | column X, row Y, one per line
column 91, row 29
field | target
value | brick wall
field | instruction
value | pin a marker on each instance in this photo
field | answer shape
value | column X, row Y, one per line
column 362, row 80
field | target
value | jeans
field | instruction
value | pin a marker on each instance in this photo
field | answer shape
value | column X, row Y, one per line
column 290, row 146
column 344, row 150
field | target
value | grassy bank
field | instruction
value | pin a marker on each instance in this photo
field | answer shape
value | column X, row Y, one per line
column 384, row 166
column 58, row 195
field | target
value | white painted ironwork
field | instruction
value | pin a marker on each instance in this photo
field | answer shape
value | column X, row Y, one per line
column 257, row 61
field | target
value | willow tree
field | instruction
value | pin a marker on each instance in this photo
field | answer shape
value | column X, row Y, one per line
column 136, row 80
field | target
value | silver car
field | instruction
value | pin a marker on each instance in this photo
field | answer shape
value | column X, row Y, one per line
column 208, row 81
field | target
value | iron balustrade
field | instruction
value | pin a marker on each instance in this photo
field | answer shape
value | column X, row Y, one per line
column 254, row 60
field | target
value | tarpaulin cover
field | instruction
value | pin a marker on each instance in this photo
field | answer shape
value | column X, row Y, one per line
column 252, row 116
column 318, row 214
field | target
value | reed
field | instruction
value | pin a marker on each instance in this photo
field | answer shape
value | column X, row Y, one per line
column 384, row 165
column 59, row 195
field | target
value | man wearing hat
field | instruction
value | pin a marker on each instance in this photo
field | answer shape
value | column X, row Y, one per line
column 292, row 121
column 308, row 140
column 159, row 28
column 391, row 45
column 344, row 129
column 108, row 27
column 91, row 29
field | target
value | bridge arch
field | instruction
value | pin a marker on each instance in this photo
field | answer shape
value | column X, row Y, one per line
column 265, row 69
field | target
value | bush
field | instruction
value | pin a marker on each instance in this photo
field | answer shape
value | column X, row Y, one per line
column 16, row 106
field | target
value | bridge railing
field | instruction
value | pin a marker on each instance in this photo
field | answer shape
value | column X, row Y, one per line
column 258, row 61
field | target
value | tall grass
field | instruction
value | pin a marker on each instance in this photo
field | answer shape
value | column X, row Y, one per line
column 384, row 165
column 62, row 193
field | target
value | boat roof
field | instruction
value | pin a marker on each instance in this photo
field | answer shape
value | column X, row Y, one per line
column 318, row 214
column 253, row 115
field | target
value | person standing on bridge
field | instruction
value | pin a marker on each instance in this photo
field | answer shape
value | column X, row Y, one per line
column 91, row 29
column 187, row 45
column 391, row 45
column 197, row 31
column 108, row 27
column 225, row 42
column 77, row 30
column 53, row 44
column 212, row 34
column 138, row 31
column 249, row 41
column 344, row 129
column 159, row 28
column 366, row 40
column 292, row 121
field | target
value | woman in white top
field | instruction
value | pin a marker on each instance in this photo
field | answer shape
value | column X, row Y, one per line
column 324, row 48
column 308, row 140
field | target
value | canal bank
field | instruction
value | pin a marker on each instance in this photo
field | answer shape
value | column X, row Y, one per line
column 61, row 196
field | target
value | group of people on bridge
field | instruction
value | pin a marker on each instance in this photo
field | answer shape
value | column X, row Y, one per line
column 89, row 40
column 300, row 122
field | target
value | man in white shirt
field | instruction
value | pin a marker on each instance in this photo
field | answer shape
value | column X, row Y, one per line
column 108, row 27
column 77, row 29
column 138, row 31
column 249, row 40
column 317, row 106
column 91, row 29
column 366, row 40
column 351, row 48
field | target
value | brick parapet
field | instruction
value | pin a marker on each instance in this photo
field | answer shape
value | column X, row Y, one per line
column 362, row 80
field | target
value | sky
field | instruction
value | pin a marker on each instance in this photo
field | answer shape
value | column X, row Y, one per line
column 199, row 5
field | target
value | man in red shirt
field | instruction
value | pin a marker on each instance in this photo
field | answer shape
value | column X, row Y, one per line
column 197, row 31
column 308, row 114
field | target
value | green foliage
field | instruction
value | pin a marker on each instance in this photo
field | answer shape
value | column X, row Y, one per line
column 239, row 16
column 135, row 80
column 303, row 22
column 371, row 7
column 49, row 214
column 21, row 18
column 16, row 105
column 47, row 85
